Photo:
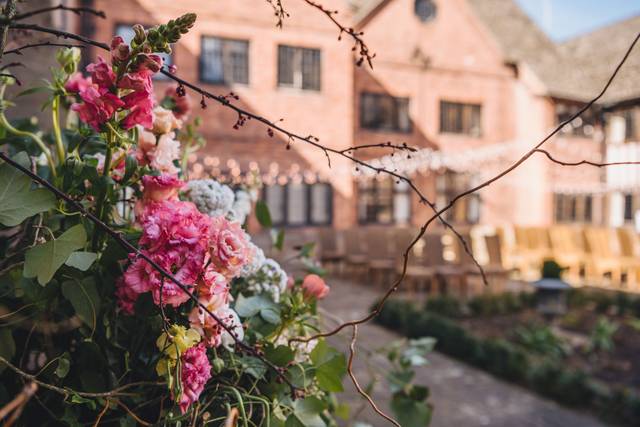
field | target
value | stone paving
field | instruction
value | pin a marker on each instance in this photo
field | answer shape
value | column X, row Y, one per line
column 462, row 395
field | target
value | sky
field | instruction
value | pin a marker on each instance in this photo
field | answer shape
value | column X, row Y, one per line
column 563, row 19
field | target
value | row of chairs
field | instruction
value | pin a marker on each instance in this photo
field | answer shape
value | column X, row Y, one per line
column 440, row 263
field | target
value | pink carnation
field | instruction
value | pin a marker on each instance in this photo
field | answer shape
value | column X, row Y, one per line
column 230, row 249
column 196, row 371
column 125, row 296
column 314, row 287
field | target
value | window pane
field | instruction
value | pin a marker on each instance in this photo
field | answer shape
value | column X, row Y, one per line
column 296, row 204
column 311, row 69
column 384, row 112
column 628, row 207
column 461, row 118
column 285, row 65
column 321, row 204
column 211, row 60
column 401, row 208
column 274, row 196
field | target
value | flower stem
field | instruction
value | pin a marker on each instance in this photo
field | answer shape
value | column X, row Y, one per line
column 55, row 110
column 47, row 153
column 100, row 210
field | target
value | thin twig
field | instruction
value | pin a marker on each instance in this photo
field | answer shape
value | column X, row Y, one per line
column 20, row 400
column 352, row 354
column 18, row 50
column 583, row 162
column 76, row 10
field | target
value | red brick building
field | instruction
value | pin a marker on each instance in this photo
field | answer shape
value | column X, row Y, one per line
column 474, row 83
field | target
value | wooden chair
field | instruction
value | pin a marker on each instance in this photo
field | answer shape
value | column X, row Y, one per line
column 568, row 250
column 356, row 252
column 424, row 260
column 382, row 254
column 629, row 242
column 605, row 267
column 332, row 251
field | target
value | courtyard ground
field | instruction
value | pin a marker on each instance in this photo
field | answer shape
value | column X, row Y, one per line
column 462, row 395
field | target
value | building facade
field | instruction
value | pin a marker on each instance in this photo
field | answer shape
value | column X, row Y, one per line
column 471, row 84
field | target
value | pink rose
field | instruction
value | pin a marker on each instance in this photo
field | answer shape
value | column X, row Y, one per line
column 230, row 249
column 196, row 371
column 314, row 287
column 164, row 121
column 162, row 187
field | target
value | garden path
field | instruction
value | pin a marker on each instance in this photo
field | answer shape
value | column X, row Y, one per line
column 463, row 396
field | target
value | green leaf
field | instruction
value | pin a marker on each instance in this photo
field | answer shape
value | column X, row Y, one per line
column 277, row 238
column 44, row 260
column 249, row 307
column 410, row 413
column 81, row 260
column 280, row 355
column 84, row 298
column 307, row 249
column 7, row 346
column 306, row 413
column 63, row 366
column 331, row 366
column 17, row 201
column 342, row 411
column 33, row 90
column 253, row 366
column 263, row 215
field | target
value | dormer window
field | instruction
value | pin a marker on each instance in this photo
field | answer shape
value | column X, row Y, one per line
column 425, row 10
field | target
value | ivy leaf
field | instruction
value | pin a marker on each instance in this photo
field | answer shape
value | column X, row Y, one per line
column 277, row 239
column 84, row 298
column 263, row 215
column 409, row 412
column 7, row 346
column 63, row 366
column 280, row 355
column 44, row 260
column 253, row 366
column 306, row 413
column 331, row 365
column 17, row 201
column 81, row 260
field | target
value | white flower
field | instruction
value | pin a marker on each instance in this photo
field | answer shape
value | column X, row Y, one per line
column 232, row 320
column 241, row 207
column 210, row 197
column 269, row 279
column 257, row 259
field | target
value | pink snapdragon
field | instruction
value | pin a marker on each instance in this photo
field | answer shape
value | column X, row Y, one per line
column 120, row 51
column 196, row 371
column 230, row 249
column 314, row 287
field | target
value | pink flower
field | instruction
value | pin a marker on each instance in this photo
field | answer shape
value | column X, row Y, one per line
column 126, row 297
column 314, row 287
column 102, row 74
column 162, row 187
column 164, row 121
column 77, row 83
column 213, row 333
column 182, row 103
column 140, row 106
column 166, row 152
column 213, row 284
column 119, row 49
column 230, row 249
column 196, row 371
column 141, row 276
column 98, row 107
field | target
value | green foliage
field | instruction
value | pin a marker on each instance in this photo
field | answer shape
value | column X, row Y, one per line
column 17, row 201
column 541, row 340
column 445, row 306
column 83, row 296
column 7, row 346
column 601, row 338
column 81, row 260
column 330, row 366
column 262, row 214
column 42, row 261
column 551, row 269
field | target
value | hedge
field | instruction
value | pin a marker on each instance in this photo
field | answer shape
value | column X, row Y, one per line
column 510, row 362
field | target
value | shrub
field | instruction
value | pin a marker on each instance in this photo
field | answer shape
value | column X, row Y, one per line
column 445, row 306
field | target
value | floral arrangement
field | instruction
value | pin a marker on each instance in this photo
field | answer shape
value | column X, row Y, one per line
column 195, row 326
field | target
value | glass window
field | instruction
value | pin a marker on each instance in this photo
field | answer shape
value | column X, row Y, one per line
column 628, row 207
column 461, row 118
column 466, row 210
column 580, row 126
column 297, row 204
column 573, row 207
column 384, row 112
column 126, row 32
column 224, row 61
column 383, row 201
column 299, row 67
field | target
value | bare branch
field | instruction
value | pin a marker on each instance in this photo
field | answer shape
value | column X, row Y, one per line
column 76, row 10
column 583, row 162
column 18, row 50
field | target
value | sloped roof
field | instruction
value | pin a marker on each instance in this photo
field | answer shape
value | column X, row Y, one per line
column 576, row 69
